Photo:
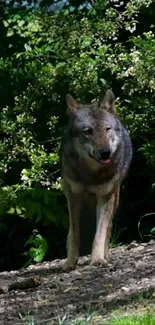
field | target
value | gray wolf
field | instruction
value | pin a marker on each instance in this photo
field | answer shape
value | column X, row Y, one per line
column 95, row 155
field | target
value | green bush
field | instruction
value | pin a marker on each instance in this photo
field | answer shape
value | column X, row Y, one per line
column 48, row 54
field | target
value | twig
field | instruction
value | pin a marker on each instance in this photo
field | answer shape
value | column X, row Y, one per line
column 22, row 284
column 139, row 222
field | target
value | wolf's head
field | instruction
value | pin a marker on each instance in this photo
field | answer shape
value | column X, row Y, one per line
column 95, row 128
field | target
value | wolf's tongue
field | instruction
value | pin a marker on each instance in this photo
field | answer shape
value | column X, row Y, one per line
column 105, row 161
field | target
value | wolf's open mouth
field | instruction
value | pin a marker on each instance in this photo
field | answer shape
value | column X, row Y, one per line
column 103, row 161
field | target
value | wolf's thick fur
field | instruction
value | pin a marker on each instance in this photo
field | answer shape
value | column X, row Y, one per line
column 95, row 154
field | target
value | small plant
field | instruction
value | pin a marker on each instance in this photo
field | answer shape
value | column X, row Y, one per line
column 114, row 237
column 38, row 251
column 28, row 319
column 152, row 232
column 62, row 321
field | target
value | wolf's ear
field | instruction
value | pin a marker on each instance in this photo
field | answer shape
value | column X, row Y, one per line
column 72, row 104
column 108, row 101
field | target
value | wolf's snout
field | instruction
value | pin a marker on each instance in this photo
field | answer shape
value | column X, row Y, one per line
column 104, row 153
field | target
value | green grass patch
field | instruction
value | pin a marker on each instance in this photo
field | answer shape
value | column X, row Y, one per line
column 141, row 316
column 146, row 319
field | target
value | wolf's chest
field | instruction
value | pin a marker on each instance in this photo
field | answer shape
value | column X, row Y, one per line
column 98, row 190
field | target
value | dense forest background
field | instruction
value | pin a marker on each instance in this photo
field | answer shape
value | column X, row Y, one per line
column 48, row 49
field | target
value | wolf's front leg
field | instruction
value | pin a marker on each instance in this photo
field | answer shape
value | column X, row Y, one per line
column 116, row 202
column 73, row 239
column 104, row 214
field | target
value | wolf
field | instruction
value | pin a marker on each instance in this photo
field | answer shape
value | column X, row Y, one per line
column 95, row 154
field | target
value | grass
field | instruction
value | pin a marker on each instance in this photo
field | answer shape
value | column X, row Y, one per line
column 146, row 319
column 144, row 316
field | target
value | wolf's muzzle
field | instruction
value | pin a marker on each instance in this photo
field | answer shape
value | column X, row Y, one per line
column 104, row 153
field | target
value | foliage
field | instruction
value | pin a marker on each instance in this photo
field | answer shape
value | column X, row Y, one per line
column 151, row 235
column 36, row 253
column 47, row 54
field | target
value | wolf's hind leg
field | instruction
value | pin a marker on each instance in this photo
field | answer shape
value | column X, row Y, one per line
column 105, row 209
column 73, row 239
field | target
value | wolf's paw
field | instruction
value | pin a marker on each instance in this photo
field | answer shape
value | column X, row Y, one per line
column 68, row 266
column 99, row 262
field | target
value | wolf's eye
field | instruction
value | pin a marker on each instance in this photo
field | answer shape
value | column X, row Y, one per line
column 87, row 131
column 108, row 128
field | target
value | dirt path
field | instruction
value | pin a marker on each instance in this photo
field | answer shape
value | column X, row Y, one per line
column 131, row 272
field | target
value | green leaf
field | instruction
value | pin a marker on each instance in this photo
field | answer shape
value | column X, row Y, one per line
column 6, row 24
column 86, row 42
column 21, row 23
column 27, row 47
column 11, row 210
column 103, row 81
column 10, row 33
column 152, row 231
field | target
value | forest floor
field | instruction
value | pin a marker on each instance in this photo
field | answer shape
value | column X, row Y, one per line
column 59, row 298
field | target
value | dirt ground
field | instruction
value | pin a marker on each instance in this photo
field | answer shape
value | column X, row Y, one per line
column 129, row 276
